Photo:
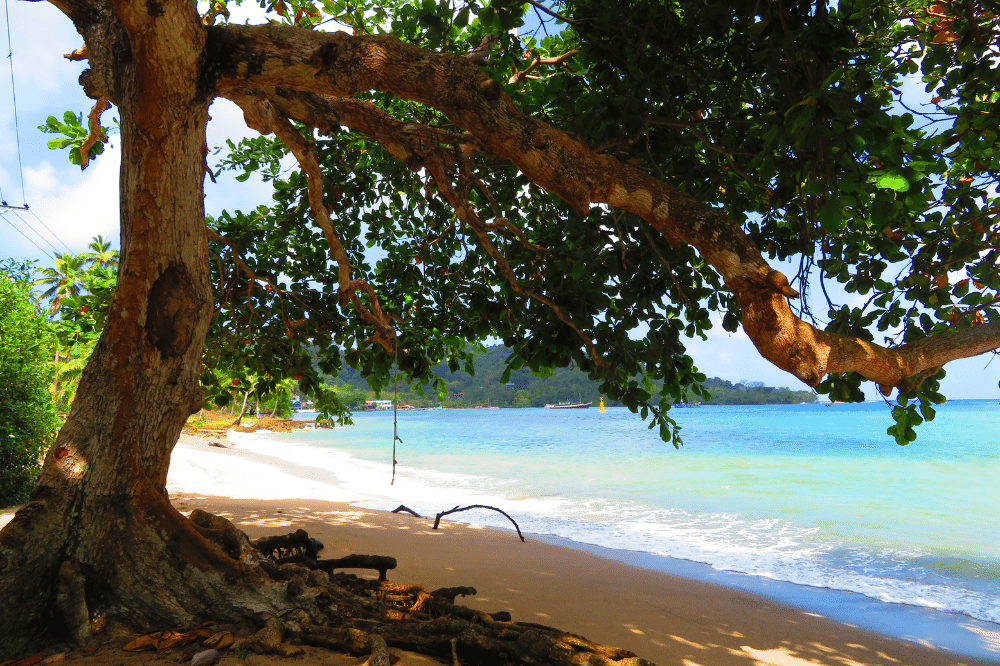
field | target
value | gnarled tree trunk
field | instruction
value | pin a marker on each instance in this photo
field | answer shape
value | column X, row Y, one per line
column 100, row 503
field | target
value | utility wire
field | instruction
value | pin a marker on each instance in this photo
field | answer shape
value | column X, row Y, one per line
column 54, row 235
column 13, row 96
column 22, row 233
column 45, row 240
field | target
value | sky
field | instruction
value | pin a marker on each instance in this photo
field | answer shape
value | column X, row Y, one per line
column 69, row 207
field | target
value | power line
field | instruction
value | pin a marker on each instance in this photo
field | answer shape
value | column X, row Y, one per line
column 54, row 235
column 13, row 96
column 4, row 216
column 45, row 240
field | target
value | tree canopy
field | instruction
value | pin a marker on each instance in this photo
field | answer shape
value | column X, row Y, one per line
column 591, row 193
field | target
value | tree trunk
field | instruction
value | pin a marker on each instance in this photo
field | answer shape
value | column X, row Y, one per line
column 98, row 543
column 243, row 409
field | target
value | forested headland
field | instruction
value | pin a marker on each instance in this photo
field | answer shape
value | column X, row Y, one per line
column 524, row 389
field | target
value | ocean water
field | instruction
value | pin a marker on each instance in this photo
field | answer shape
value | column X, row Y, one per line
column 812, row 495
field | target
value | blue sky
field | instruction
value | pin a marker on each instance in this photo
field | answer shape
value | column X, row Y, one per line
column 76, row 206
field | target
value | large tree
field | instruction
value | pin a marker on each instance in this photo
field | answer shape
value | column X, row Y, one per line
column 629, row 164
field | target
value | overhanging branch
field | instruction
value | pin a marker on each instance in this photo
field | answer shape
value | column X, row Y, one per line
column 262, row 116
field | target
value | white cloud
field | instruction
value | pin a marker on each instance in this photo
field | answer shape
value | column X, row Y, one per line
column 72, row 205
column 229, row 194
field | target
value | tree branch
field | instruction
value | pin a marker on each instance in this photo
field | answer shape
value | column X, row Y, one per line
column 96, row 132
column 417, row 146
column 262, row 116
column 539, row 60
column 551, row 13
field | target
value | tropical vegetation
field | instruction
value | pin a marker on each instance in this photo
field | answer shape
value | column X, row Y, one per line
column 28, row 423
column 526, row 389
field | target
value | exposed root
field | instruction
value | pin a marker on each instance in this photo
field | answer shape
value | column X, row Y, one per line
column 293, row 547
column 270, row 639
column 365, row 617
column 230, row 540
column 71, row 601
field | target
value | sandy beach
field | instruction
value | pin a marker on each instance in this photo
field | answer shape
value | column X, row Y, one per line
column 663, row 618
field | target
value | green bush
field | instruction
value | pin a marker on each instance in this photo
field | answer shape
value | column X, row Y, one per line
column 28, row 421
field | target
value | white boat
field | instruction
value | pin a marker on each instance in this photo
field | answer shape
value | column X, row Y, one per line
column 575, row 405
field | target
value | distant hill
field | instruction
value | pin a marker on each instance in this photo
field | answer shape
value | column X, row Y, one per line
column 754, row 393
column 564, row 385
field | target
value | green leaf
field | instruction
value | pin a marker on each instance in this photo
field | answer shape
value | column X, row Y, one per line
column 893, row 181
column 831, row 215
column 54, row 144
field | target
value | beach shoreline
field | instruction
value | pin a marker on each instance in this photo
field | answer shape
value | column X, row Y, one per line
column 612, row 597
column 912, row 628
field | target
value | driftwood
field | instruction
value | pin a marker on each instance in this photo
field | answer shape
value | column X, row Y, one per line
column 477, row 506
column 366, row 617
column 401, row 509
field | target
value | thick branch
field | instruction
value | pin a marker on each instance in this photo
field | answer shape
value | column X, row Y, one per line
column 96, row 131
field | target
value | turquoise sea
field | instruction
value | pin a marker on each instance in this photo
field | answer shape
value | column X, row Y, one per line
column 811, row 495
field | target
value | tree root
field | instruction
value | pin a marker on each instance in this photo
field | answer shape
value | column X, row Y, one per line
column 294, row 547
column 230, row 540
column 71, row 602
column 379, row 563
column 270, row 639
column 361, row 616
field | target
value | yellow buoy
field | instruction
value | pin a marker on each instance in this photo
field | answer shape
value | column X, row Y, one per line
column 601, row 409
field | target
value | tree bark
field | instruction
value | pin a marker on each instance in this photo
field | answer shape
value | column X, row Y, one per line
column 243, row 409
column 100, row 504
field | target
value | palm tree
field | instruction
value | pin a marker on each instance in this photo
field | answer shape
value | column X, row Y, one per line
column 68, row 370
column 65, row 279
column 101, row 254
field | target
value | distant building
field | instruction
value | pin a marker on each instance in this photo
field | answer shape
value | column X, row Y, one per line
column 378, row 405
column 458, row 396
